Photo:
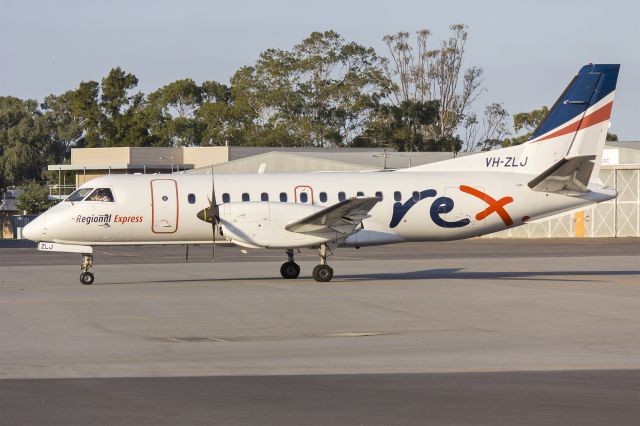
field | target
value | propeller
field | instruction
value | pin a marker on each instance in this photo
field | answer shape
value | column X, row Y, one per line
column 211, row 215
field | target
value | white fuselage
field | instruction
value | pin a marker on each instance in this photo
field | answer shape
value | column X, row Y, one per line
column 162, row 209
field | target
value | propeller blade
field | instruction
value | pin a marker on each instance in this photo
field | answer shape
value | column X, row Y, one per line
column 213, row 246
column 214, row 213
column 210, row 215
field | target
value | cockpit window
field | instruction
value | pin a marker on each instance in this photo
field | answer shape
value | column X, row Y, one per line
column 101, row 194
column 79, row 194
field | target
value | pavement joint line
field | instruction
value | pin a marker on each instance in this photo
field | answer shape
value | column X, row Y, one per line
column 357, row 334
column 72, row 300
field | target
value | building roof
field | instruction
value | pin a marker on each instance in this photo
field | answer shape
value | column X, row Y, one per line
column 280, row 162
column 623, row 144
column 372, row 157
column 238, row 152
column 114, row 167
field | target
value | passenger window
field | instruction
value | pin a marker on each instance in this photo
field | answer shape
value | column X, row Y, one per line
column 245, row 196
column 264, row 197
column 342, row 196
column 303, row 197
column 283, row 197
column 79, row 194
column 191, row 198
column 101, row 194
column 397, row 196
column 226, row 198
column 379, row 195
column 323, row 197
column 360, row 194
column 416, row 196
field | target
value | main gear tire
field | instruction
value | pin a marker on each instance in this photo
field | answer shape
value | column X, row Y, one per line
column 290, row 270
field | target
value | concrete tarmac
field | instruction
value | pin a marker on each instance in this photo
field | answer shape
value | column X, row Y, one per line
column 562, row 398
column 488, row 332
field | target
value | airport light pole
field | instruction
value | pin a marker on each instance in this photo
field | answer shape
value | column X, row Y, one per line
column 384, row 156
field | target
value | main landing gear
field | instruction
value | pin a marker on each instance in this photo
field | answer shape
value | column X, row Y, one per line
column 290, row 269
column 323, row 272
column 86, row 277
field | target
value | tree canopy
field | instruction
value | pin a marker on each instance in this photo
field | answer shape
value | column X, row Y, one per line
column 527, row 121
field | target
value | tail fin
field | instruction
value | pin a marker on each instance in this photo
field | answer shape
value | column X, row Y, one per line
column 580, row 118
column 576, row 126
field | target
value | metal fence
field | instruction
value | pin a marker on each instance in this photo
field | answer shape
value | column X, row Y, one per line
column 619, row 217
column 18, row 222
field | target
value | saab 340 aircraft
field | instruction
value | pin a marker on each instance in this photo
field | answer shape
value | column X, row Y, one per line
column 555, row 171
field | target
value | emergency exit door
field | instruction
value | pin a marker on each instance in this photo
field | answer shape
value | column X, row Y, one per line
column 303, row 194
column 164, row 206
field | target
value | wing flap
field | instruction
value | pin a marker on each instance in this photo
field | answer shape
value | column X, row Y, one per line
column 343, row 217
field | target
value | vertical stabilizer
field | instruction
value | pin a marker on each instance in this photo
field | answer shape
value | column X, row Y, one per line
column 581, row 116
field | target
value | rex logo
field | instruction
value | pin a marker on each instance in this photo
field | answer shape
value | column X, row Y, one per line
column 494, row 205
column 443, row 205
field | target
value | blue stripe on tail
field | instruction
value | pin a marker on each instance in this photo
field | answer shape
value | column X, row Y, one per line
column 592, row 83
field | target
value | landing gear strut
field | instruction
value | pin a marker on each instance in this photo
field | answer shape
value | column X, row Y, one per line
column 290, row 269
column 86, row 277
column 323, row 272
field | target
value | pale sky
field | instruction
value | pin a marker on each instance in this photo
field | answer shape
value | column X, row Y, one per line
column 529, row 50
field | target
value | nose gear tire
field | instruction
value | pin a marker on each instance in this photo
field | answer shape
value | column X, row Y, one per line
column 86, row 278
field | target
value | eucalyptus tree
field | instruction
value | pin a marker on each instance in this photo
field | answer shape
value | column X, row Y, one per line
column 527, row 122
column 171, row 113
column 110, row 112
column 487, row 132
column 424, row 74
column 320, row 93
column 25, row 141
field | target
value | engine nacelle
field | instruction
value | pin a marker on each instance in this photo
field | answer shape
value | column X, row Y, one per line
column 262, row 224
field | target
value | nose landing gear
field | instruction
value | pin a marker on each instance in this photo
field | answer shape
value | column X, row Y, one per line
column 290, row 269
column 86, row 277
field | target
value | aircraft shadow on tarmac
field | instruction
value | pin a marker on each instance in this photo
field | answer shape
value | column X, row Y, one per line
column 459, row 274
column 426, row 274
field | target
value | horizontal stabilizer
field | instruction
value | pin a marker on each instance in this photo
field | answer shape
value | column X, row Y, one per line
column 568, row 174
column 343, row 217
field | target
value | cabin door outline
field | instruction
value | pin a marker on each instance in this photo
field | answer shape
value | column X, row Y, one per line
column 303, row 189
column 164, row 206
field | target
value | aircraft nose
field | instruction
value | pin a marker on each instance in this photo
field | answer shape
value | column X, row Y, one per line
column 34, row 230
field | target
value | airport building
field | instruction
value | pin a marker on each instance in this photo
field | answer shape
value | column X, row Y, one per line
column 89, row 163
column 616, row 218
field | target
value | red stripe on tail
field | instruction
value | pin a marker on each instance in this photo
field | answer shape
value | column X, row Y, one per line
column 597, row 116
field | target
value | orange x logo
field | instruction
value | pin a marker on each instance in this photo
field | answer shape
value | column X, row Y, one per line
column 496, row 206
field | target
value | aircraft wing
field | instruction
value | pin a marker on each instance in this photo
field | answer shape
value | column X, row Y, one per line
column 343, row 217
